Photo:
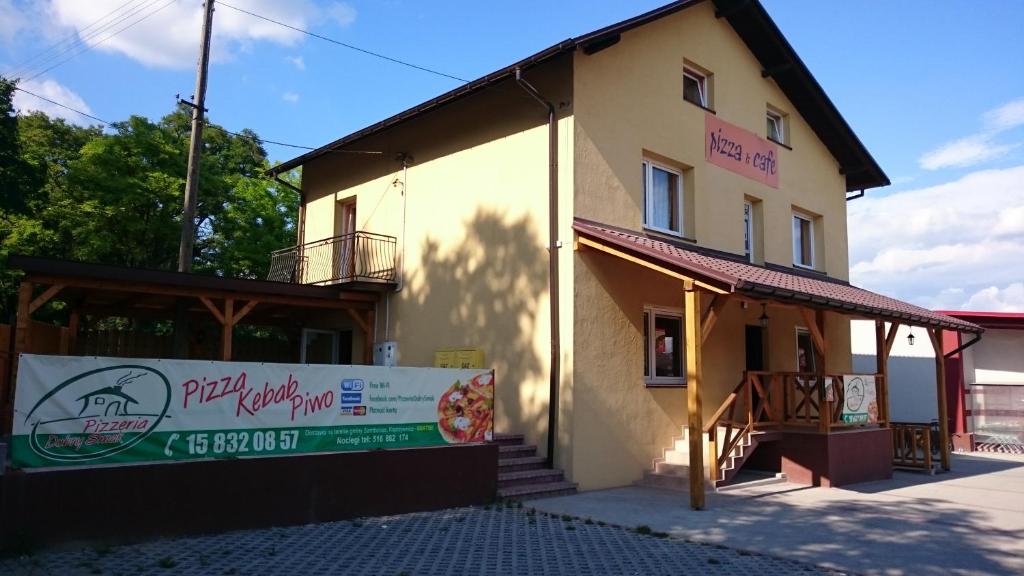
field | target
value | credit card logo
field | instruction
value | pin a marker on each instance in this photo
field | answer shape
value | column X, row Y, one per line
column 359, row 410
column 346, row 410
column 351, row 397
column 352, row 385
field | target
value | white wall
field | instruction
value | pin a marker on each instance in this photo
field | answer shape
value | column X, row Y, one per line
column 911, row 370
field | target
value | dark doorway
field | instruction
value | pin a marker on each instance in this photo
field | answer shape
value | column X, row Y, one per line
column 345, row 347
column 755, row 348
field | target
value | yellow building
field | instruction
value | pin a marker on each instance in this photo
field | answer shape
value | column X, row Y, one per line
column 644, row 229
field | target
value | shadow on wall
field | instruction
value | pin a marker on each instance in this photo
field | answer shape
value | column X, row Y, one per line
column 485, row 293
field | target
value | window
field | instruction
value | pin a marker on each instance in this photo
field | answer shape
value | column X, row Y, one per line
column 748, row 231
column 663, row 341
column 663, row 198
column 803, row 241
column 695, row 87
column 776, row 127
column 804, row 351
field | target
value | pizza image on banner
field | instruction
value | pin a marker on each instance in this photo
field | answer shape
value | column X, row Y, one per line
column 90, row 411
column 466, row 411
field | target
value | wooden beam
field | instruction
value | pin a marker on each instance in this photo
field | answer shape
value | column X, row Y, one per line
column 583, row 241
column 213, row 309
column 882, row 367
column 44, row 297
column 359, row 320
column 227, row 329
column 940, row 391
column 718, row 303
column 812, row 326
column 694, row 409
column 245, row 310
column 347, row 299
column 890, row 338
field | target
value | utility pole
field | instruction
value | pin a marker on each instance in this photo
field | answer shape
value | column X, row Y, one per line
column 195, row 145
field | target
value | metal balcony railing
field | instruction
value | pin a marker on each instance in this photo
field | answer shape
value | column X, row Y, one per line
column 354, row 257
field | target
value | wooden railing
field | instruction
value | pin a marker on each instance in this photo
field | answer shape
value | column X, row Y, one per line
column 912, row 445
column 780, row 400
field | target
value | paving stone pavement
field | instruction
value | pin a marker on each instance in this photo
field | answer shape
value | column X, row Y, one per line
column 464, row 541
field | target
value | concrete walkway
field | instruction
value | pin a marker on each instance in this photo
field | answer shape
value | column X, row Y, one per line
column 967, row 521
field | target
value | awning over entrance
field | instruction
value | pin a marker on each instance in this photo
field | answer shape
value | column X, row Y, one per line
column 725, row 273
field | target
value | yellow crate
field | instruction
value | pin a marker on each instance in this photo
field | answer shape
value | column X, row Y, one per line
column 459, row 358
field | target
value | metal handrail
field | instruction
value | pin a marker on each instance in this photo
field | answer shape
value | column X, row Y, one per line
column 356, row 256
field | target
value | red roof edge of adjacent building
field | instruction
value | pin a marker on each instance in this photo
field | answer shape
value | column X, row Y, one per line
column 997, row 320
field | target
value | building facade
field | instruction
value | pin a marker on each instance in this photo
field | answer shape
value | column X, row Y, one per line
column 679, row 182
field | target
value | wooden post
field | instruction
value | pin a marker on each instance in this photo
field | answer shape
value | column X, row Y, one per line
column 940, row 390
column 73, row 332
column 694, row 418
column 368, row 349
column 22, row 344
column 227, row 329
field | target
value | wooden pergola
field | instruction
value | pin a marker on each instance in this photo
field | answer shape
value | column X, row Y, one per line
column 104, row 291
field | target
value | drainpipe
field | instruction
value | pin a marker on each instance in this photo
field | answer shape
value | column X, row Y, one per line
column 553, row 246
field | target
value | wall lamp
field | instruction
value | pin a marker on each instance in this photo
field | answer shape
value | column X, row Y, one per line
column 910, row 336
column 764, row 316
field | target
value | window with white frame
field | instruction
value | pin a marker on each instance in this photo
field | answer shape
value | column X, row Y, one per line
column 664, row 364
column 776, row 129
column 663, row 198
column 805, row 351
column 803, row 241
column 695, row 87
column 748, row 230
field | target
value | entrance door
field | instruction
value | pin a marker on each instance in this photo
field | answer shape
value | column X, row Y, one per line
column 319, row 347
column 347, row 231
column 755, row 348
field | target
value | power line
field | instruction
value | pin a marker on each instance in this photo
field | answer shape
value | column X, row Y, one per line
column 256, row 139
column 346, row 45
column 91, row 46
column 72, row 39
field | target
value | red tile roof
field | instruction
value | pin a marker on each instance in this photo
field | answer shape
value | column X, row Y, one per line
column 734, row 275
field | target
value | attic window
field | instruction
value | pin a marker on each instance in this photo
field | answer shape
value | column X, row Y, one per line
column 695, row 87
column 776, row 127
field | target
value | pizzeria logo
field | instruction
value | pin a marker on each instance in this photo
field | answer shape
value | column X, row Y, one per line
column 98, row 413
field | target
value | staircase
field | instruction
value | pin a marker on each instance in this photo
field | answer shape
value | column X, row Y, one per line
column 521, row 473
column 672, row 470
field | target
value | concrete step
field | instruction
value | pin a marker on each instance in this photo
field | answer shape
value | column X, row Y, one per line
column 517, row 464
column 665, row 481
column 505, row 439
column 516, row 450
column 539, row 490
column 750, row 479
column 525, row 477
column 672, row 468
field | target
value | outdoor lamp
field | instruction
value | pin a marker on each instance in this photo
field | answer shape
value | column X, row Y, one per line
column 764, row 316
column 910, row 337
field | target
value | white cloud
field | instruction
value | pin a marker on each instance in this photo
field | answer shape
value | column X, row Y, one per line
column 290, row 97
column 994, row 299
column 298, row 62
column 981, row 147
column 342, row 12
column 13, row 22
column 1007, row 116
column 170, row 38
column 25, row 103
column 965, row 152
column 940, row 246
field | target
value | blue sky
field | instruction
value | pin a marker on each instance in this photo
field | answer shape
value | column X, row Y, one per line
column 934, row 89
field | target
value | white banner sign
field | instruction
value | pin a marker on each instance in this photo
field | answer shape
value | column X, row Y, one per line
column 73, row 410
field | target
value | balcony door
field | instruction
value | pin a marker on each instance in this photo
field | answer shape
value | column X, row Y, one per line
column 347, row 245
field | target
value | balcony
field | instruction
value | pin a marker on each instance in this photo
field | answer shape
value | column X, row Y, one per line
column 355, row 257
